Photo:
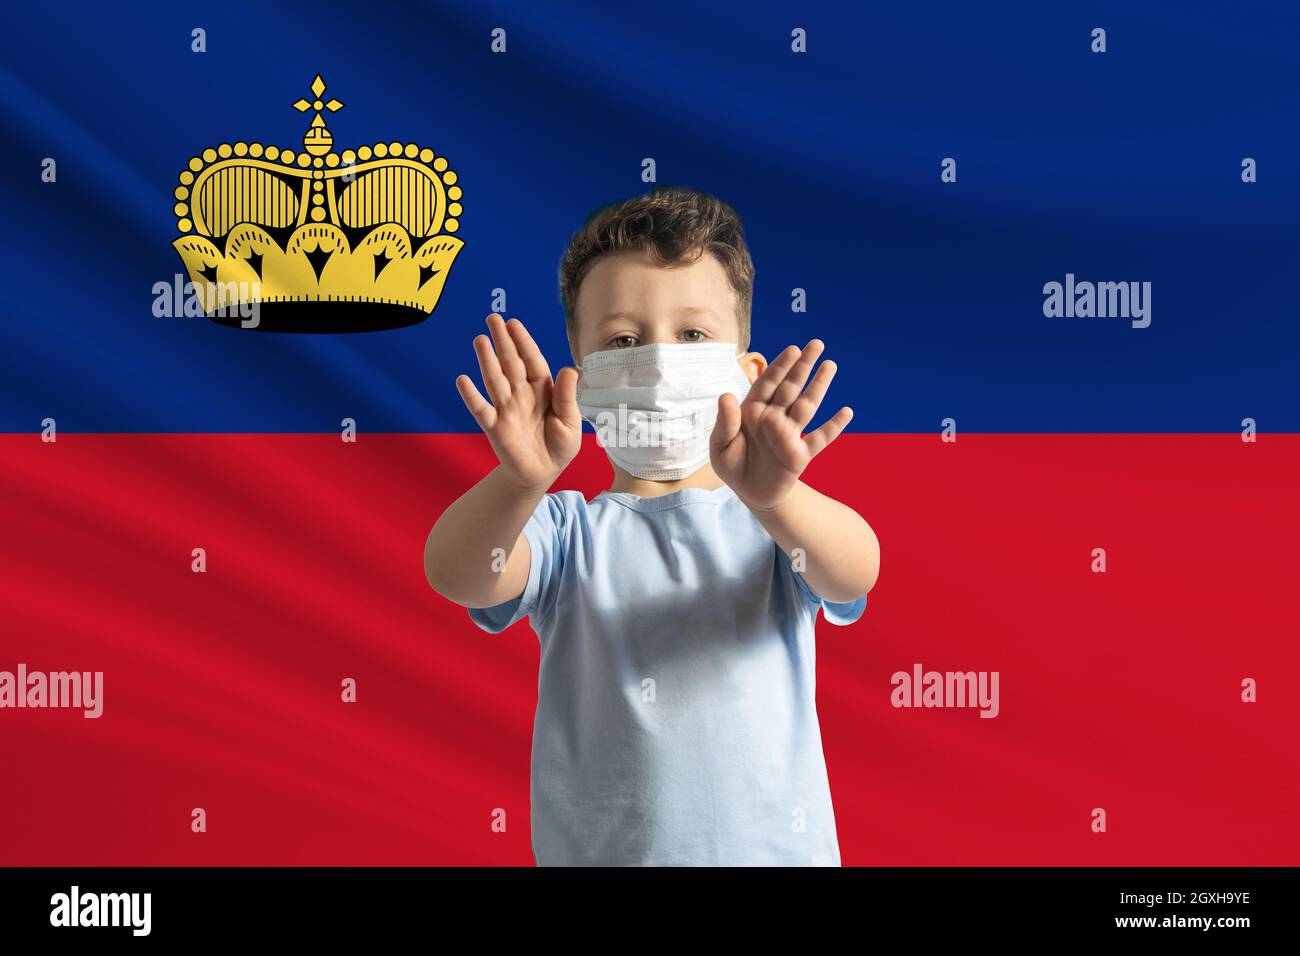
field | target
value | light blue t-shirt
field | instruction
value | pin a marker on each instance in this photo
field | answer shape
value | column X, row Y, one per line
column 676, row 723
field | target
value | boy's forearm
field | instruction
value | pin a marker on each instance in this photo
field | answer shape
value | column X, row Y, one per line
column 461, row 560
column 840, row 552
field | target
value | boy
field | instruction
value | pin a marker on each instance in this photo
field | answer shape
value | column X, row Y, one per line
column 676, row 721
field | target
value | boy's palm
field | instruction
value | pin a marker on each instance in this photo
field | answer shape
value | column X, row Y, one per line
column 533, row 423
column 758, row 448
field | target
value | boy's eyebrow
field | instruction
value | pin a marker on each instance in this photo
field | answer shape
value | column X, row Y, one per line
column 684, row 310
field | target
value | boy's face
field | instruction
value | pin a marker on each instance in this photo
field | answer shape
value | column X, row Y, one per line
column 627, row 300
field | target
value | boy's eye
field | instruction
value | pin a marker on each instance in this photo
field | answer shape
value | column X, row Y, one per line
column 623, row 341
column 693, row 335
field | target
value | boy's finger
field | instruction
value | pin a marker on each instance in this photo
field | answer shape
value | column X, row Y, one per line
column 830, row 431
column 727, row 424
column 478, row 406
column 763, row 389
column 535, row 367
column 788, row 391
column 512, row 366
column 498, row 386
column 806, row 405
column 564, row 396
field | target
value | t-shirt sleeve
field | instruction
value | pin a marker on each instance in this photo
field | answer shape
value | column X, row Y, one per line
column 836, row 613
column 544, row 532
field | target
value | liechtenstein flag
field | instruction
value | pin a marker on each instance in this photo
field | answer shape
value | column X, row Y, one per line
column 247, row 246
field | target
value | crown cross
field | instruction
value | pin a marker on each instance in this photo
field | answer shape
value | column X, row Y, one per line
column 317, row 140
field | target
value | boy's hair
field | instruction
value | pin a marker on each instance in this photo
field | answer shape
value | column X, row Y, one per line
column 675, row 226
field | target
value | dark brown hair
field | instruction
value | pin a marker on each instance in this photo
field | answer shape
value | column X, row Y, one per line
column 675, row 226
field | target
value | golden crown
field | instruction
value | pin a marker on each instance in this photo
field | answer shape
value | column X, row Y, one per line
column 320, row 241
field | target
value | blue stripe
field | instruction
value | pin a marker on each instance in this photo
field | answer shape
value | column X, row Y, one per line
column 1122, row 166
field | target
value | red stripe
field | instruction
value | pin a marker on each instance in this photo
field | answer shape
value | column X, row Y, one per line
column 1118, row 690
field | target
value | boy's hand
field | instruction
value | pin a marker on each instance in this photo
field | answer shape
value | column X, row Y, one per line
column 759, row 448
column 533, row 423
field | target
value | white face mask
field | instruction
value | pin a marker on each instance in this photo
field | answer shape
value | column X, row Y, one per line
column 653, row 406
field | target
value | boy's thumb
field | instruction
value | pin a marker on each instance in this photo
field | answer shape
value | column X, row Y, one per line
column 564, row 396
column 727, row 424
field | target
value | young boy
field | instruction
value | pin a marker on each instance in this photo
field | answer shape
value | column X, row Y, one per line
column 676, row 721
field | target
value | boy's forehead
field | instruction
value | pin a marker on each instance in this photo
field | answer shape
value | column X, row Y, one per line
column 632, row 285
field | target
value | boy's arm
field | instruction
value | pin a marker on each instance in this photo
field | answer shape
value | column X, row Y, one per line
column 535, row 429
column 840, row 551
column 759, row 449
column 461, row 560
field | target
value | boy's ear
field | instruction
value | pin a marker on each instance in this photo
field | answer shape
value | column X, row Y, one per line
column 754, row 365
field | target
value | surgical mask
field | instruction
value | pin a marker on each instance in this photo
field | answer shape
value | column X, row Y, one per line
column 653, row 406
